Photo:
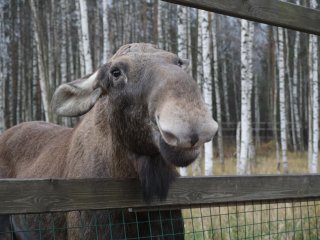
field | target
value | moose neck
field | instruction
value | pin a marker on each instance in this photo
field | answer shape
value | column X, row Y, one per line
column 102, row 156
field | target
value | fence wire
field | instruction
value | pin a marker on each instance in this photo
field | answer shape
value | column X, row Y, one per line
column 264, row 220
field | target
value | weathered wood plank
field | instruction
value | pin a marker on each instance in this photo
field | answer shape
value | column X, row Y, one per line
column 31, row 196
column 272, row 12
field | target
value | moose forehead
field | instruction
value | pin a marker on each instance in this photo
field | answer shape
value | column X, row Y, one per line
column 145, row 58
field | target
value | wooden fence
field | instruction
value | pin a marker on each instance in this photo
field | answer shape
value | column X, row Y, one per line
column 52, row 195
column 273, row 12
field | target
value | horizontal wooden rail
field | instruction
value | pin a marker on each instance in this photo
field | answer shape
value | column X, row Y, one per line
column 44, row 195
column 272, row 12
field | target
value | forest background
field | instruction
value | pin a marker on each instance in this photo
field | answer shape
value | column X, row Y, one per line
column 261, row 82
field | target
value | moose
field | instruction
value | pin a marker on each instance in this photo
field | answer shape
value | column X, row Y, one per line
column 143, row 117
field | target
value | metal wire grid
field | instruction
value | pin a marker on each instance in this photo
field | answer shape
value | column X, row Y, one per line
column 265, row 220
column 272, row 220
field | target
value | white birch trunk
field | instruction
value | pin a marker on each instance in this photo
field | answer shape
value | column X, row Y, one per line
column 238, row 142
column 126, row 22
column 216, row 88
column 295, row 91
column 199, row 54
column 3, row 69
column 207, row 86
column 182, row 32
column 313, row 69
column 85, row 36
column 290, row 81
column 63, row 42
column 282, row 100
column 273, row 63
column 81, row 49
column 160, row 29
column 182, row 47
column 251, row 149
column 197, row 167
column 242, row 163
column 106, row 5
column 42, row 71
column 189, row 45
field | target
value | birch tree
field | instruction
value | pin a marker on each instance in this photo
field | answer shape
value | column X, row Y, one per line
column 290, row 83
column 106, row 6
column 63, row 42
column 282, row 99
column 199, row 52
column 85, row 36
column 295, row 96
column 205, row 21
column 256, row 110
column 196, row 166
column 81, row 49
column 182, row 46
column 216, row 87
column 160, row 25
column 245, row 125
column 251, row 149
column 182, row 32
column 313, row 145
column 3, row 68
column 43, row 70
column 225, row 90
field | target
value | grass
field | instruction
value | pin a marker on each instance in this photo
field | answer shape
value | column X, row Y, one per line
column 265, row 162
column 291, row 220
column 265, row 221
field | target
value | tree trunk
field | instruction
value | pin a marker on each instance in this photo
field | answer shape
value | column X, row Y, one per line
column 106, row 6
column 43, row 70
column 199, row 53
column 257, row 111
column 251, row 149
column 282, row 100
column 313, row 76
column 243, row 161
column 217, row 89
column 160, row 25
column 205, row 21
column 272, row 64
column 182, row 32
column 295, row 95
column 290, row 82
column 225, row 90
column 3, row 68
column 85, row 37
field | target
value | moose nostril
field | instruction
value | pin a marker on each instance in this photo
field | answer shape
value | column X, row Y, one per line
column 194, row 139
column 170, row 138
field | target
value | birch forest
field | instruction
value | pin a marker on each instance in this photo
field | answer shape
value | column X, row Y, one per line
column 260, row 82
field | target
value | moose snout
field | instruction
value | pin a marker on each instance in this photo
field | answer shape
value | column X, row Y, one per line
column 179, row 131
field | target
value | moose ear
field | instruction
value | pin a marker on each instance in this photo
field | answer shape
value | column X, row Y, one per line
column 78, row 97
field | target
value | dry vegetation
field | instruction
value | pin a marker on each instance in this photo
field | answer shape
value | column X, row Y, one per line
column 292, row 220
column 264, row 163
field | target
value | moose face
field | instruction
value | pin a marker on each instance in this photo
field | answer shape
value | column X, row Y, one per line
column 155, row 104
column 158, row 106
column 147, row 107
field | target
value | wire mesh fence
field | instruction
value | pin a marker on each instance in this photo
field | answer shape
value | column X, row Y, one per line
column 248, row 220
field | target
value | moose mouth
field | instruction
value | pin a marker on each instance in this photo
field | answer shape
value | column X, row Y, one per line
column 177, row 156
column 180, row 157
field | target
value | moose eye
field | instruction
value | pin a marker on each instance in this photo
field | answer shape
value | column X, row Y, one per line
column 180, row 63
column 116, row 73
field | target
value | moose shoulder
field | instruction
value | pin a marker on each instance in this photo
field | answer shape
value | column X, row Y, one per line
column 144, row 116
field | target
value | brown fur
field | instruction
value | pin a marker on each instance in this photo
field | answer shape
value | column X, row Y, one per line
column 118, row 137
